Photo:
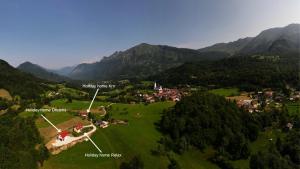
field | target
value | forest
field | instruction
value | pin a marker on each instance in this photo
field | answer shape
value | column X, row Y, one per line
column 21, row 145
column 248, row 73
column 206, row 120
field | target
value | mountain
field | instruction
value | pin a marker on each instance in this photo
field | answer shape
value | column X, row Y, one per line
column 275, row 40
column 65, row 71
column 231, row 47
column 18, row 82
column 41, row 72
column 251, row 72
column 140, row 61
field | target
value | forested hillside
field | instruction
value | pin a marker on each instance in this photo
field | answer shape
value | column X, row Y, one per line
column 21, row 145
column 40, row 72
column 205, row 120
column 246, row 72
column 20, row 83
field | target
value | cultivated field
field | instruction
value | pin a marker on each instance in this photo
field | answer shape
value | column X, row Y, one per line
column 5, row 94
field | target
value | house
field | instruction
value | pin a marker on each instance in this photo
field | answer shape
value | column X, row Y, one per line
column 168, row 94
column 83, row 114
column 102, row 124
column 62, row 135
column 289, row 126
column 78, row 128
column 268, row 94
column 157, row 87
column 149, row 98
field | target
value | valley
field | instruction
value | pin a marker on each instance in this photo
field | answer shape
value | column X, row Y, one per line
column 227, row 106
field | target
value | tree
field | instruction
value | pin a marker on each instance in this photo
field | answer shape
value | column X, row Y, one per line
column 173, row 164
column 3, row 105
column 43, row 154
column 205, row 119
column 107, row 116
column 135, row 163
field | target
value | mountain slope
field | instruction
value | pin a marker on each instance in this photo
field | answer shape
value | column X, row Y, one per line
column 231, row 47
column 140, row 61
column 275, row 40
column 40, row 72
column 65, row 71
column 245, row 72
column 19, row 83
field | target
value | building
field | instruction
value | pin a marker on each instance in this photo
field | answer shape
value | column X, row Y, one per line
column 168, row 94
column 62, row 135
column 83, row 114
column 157, row 87
column 102, row 124
column 149, row 98
column 78, row 128
column 289, row 126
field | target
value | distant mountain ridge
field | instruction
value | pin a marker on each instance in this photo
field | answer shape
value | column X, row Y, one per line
column 41, row 72
column 140, row 61
column 230, row 47
column 275, row 40
column 64, row 71
column 145, row 60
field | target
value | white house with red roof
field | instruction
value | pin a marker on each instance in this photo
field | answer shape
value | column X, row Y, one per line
column 62, row 135
column 78, row 128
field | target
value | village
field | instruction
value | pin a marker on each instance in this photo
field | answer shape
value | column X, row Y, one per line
column 99, row 118
column 257, row 101
column 163, row 94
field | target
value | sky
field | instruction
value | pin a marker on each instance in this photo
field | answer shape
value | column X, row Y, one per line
column 58, row 33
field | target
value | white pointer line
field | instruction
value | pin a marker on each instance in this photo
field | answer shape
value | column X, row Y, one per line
column 89, row 109
column 92, row 142
column 51, row 123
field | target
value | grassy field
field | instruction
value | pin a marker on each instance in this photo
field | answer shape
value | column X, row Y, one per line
column 261, row 144
column 293, row 108
column 76, row 105
column 5, row 94
column 139, row 137
column 225, row 92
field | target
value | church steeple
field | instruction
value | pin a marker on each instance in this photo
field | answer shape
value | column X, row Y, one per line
column 155, row 86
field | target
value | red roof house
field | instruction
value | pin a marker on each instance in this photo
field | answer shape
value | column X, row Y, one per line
column 78, row 128
column 62, row 135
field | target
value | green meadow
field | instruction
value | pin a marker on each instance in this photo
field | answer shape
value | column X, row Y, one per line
column 225, row 91
column 293, row 108
column 139, row 137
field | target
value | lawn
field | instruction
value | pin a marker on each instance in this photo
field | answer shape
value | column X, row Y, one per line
column 54, row 117
column 261, row 144
column 76, row 104
column 139, row 137
column 226, row 92
column 293, row 108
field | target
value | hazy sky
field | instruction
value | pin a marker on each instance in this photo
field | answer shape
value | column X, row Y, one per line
column 56, row 33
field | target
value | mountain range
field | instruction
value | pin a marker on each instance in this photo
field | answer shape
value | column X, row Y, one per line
column 145, row 60
column 41, row 72
column 274, row 40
